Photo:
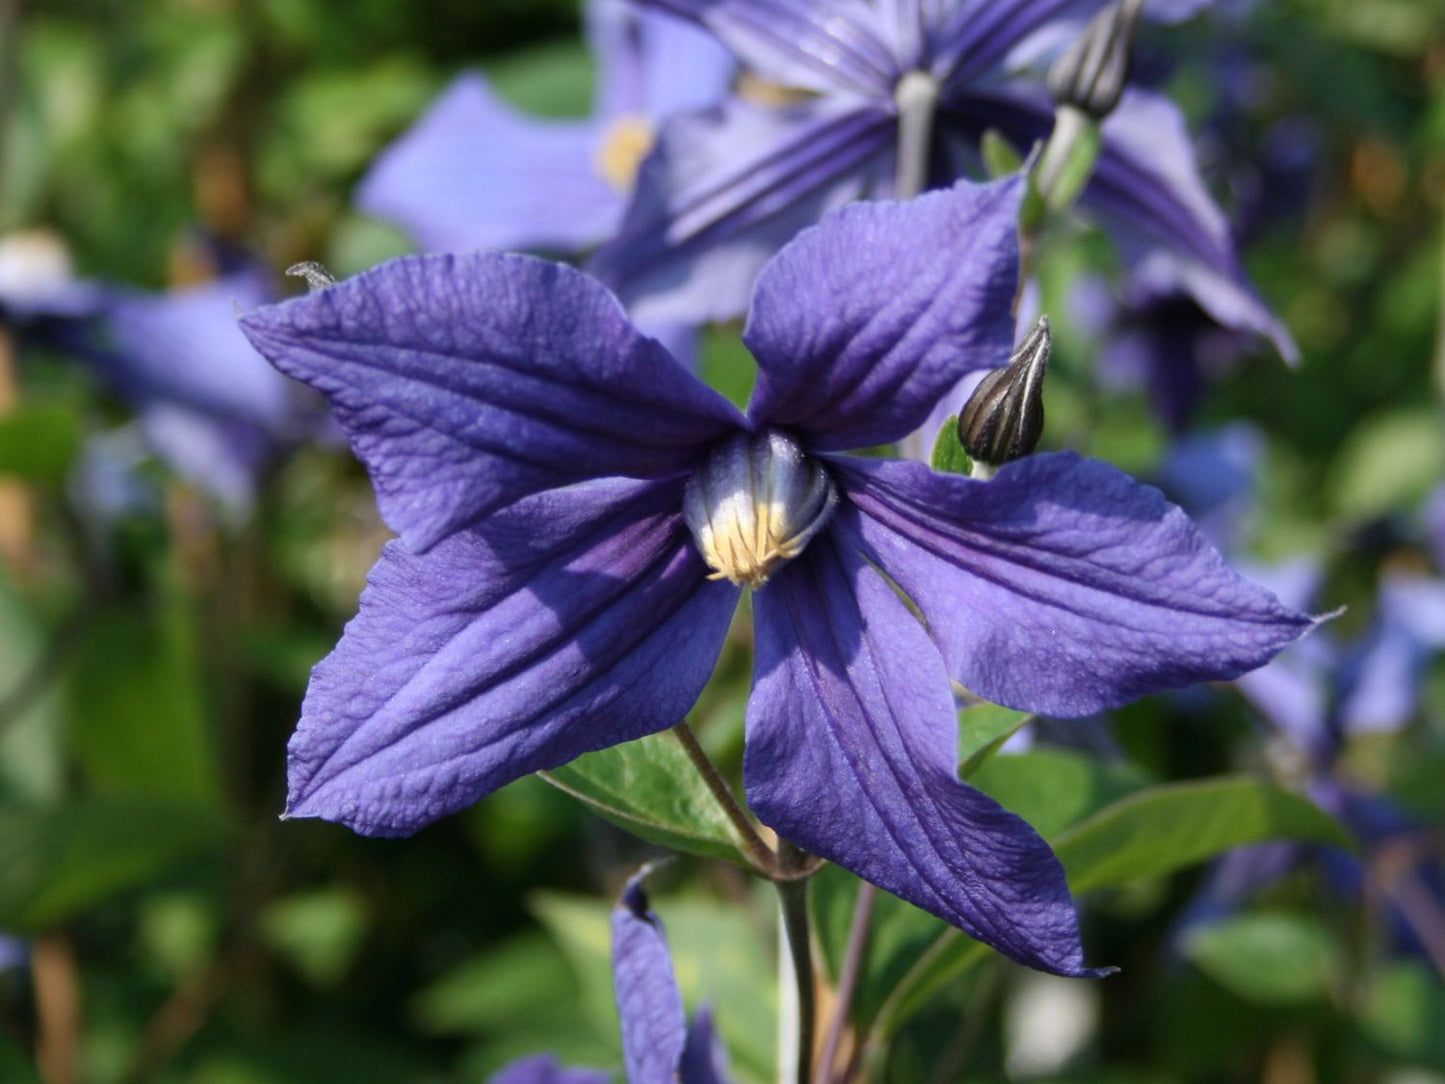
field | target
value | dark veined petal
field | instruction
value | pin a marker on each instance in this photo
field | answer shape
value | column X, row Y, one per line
column 974, row 36
column 861, row 323
column 830, row 46
column 725, row 189
column 704, row 1060
column 1147, row 189
column 545, row 1069
column 466, row 382
column 649, row 1004
column 851, row 753
column 473, row 172
column 1061, row 586
column 573, row 620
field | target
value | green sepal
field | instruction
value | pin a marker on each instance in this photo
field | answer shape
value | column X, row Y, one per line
column 1000, row 159
column 949, row 456
column 651, row 788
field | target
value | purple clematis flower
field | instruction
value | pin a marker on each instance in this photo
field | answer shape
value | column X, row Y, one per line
column 475, row 173
column 578, row 516
column 727, row 188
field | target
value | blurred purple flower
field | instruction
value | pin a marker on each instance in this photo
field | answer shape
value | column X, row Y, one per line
column 475, row 173
column 1314, row 700
column 726, row 188
column 578, row 515
column 207, row 402
column 658, row 1044
column 14, row 952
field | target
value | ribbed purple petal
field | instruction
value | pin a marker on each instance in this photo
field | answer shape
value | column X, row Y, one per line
column 544, row 1069
column 1147, row 189
column 852, row 750
column 725, row 189
column 915, row 295
column 466, row 382
column 476, row 173
column 1061, row 586
column 829, row 47
column 649, row 1004
column 573, row 620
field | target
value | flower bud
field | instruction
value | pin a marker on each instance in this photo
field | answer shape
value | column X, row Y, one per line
column 1004, row 418
column 1091, row 75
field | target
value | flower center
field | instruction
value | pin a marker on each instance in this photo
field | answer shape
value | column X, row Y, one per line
column 755, row 504
column 619, row 156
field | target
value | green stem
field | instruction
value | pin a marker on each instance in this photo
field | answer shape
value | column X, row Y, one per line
column 793, row 896
column 760, row 856
column 848, row 974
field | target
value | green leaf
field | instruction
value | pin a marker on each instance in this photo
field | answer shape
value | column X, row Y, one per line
column 949, row 455
column 1404, row 1012
column 552, row 80
column 1055, row 788
column 1165, row 828
column 318, row 932
column 1271, row 959
column 39, row 443
column 61, row 861
column 1151, row 832
column 1389, row 461
column 129, row 740
column 982, row 729
column 651, row 788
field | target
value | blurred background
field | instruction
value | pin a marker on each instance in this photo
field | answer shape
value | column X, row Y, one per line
column 183, row 535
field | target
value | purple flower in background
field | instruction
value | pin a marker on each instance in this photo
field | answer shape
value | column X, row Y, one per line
column 207, row 402
column 658, row 1044
column 475, row 173
column 727, row 188
column 578, row 516
column 1314, row 701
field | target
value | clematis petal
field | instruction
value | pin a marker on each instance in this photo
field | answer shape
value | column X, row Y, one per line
column 1061, row 586
column 476, row 173
column 704, row 1059
column 852, row 750
column 1147, row 189
column 545, row 1069
column 974, row 36
column 906, row 320
column 649, row 1004
column 466, row 382
column 573, row 620
column 829, row 47
column 725, row 189
column 653, row 66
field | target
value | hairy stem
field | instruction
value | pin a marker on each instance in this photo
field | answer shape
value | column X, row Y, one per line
column 758, row 853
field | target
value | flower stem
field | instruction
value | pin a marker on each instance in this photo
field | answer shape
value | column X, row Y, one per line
column 759, row 855
column 853, row 955
column 793, row 896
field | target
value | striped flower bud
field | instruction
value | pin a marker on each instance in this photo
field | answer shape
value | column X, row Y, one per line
column 1091, row 75
column 1004, row 418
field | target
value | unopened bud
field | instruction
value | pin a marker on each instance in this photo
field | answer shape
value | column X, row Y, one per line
column 1004, row 418
column 1091, row 75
